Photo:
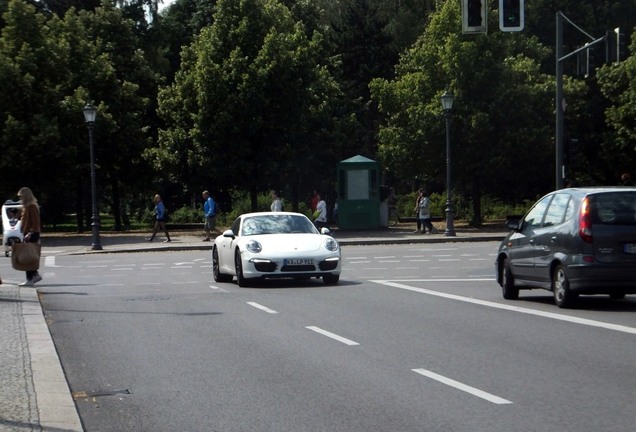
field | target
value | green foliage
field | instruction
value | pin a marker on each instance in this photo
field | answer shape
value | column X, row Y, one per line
column 253, row 87
column 500, row 117
column 267, row 94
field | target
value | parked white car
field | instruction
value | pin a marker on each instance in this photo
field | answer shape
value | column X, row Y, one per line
column 275, row 245
column 11, row 232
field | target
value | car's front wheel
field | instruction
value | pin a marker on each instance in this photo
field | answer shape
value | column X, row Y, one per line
column 241, row 280
column 216, row 268
column 331, row 279
column 508, row 288
column 563, row 297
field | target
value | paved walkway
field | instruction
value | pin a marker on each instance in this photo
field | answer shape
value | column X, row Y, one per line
column 34, row 394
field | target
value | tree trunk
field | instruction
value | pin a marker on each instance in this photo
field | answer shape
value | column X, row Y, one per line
column 476, row 198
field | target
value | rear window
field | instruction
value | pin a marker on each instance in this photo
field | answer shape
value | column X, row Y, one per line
column 613, row 208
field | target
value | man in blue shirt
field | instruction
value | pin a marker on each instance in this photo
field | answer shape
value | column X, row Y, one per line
column 209, row 212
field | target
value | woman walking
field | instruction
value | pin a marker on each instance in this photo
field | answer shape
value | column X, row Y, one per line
column 30, row 228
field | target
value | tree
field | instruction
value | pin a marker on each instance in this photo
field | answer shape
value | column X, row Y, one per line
column 502, row 138
column 250, row 102
column 33, row 76
column 618, row 85
column 50, row 68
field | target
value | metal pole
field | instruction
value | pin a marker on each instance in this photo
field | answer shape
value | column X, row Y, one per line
column 559, row 102
column 95, row 218
column 450, row 226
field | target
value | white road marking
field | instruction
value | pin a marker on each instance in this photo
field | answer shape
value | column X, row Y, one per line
column 49, row 261
column 332, row 335
column 261, row 307
column 551, row 315
column 463, row 387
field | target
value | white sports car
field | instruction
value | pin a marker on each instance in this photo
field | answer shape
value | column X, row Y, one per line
column 275, row 245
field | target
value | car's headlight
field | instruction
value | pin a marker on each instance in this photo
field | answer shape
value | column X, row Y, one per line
column 253, row 246
column 331, row 245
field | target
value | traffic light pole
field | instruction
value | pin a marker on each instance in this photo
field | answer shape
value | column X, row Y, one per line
column 560, row 104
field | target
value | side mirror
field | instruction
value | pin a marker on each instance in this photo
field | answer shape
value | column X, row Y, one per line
column 325, row 231
column 513, row 224
column 229, row 233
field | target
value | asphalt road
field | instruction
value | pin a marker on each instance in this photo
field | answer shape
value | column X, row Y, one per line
column 414, row 338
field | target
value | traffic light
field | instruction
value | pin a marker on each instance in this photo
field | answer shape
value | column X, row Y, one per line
column 511, row 15
column 474, row 16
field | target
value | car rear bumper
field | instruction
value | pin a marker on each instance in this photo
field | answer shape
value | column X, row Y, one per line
column 594, row 279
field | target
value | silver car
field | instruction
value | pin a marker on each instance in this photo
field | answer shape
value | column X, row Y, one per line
column 572, row 241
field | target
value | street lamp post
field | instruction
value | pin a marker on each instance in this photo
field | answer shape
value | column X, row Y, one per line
column 90, row 112
column 447, row 105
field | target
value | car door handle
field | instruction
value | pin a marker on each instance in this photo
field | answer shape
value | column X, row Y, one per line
column 553, row 239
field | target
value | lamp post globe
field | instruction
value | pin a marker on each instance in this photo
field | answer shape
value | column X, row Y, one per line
column 447, row 100
column 90, row 113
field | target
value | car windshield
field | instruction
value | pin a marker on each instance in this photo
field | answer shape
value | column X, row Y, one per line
column 277, row 224
column 614, row 208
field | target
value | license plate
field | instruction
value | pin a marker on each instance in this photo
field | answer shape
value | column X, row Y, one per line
column 629, row 248
column 299, row 261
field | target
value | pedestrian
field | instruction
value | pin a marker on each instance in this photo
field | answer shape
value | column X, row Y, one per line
column 320, row 215
column 160, row 219
column 209, row 212
column 425, row 214
column 30, row 228
column 277, row 204
column 416, row 210
column 314, row 201
column 626, row 179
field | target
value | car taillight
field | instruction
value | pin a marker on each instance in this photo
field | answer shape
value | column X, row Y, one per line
column 585, row 221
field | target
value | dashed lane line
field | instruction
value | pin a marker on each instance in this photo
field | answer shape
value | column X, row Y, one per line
column 332, row 335
column 463, row 387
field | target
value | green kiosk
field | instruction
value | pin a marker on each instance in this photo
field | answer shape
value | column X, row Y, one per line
column 358, row 193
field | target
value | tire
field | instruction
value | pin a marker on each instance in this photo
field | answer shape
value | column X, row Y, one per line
column 331, row 279
column 216, row 268
column 238, row 265
column 508, row 288
column 563, row 297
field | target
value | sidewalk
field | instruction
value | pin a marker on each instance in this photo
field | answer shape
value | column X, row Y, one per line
column 34, row 394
